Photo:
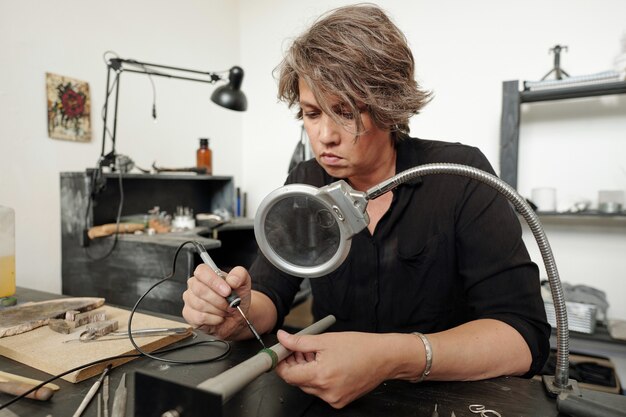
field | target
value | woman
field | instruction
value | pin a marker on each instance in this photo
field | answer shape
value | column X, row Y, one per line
column 438, row 287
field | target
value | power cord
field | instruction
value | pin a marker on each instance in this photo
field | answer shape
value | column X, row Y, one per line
column 132, row 312
column 85, row 237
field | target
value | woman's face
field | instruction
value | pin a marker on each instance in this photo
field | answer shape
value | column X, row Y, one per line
column 335, row 146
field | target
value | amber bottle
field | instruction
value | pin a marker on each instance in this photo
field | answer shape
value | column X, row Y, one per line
column 204, row 156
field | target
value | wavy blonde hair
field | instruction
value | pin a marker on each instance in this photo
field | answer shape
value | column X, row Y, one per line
column 358, row 55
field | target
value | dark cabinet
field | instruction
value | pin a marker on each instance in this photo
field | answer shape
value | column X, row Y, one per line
column 139, row 261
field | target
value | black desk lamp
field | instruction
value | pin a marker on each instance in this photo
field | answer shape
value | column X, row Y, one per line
column 229, row 96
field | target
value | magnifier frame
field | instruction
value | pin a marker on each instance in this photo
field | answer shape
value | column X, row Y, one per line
column 345, row 204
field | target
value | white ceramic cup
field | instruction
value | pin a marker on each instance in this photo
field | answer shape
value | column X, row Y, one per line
column 544, row 198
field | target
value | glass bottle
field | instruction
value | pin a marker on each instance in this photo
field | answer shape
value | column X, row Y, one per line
column 204, row 156
column 7, row 251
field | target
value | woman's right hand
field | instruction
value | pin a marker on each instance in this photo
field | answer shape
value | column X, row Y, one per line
column 206, row 307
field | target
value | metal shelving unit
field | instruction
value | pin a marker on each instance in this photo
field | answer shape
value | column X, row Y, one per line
column 513, row 98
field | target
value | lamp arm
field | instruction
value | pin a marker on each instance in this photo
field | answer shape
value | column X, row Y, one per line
column 214, row 77
column 561, row 380
column 119, row 63
column 106, row 110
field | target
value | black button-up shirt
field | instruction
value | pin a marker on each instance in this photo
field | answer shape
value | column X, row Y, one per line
column 448, row 251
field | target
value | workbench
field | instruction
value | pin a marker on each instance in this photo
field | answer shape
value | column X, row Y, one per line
column 269, row 396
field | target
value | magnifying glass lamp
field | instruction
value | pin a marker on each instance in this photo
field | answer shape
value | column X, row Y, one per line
column 306, row 231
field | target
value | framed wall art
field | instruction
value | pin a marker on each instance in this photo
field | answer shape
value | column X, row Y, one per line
column 69, row 103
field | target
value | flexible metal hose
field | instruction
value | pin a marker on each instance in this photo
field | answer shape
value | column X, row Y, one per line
column 561, row 376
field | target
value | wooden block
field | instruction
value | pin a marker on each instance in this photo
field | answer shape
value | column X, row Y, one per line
column 60, row 326
column 111, row 228
column 71, row 315
column 6, row 377
column 102, row 328
column 77, row 320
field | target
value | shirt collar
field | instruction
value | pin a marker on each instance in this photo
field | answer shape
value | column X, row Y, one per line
column 406, row 155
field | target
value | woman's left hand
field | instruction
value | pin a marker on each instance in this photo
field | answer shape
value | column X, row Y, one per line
column 336, row 367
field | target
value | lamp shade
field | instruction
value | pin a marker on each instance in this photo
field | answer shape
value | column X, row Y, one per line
column 230, row 95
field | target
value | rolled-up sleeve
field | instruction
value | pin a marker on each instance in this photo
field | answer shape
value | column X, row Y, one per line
column 501, row 282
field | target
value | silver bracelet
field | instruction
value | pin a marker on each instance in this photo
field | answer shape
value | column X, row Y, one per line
column 429, row 356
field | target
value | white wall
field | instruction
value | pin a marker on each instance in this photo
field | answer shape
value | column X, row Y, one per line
column 464, row 50
column 69, row 37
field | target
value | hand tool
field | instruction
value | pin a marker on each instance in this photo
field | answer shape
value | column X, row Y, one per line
column 233, row 299
column 123, row 334
column 18, row 388
column 119, row 400
column 17, row 385
column 234, row 379
column 86, row 336
column 105, row 396
column 91, row 393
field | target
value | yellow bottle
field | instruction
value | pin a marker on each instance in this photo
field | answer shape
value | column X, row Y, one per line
column 7, row 251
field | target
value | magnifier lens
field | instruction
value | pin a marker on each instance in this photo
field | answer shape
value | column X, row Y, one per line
column 302, row 231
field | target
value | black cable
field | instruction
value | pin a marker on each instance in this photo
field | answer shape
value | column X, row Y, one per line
column 132, row 312
column 148, row 72
column 117, row 220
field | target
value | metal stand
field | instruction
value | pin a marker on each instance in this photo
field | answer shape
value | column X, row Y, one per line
column 557, row 70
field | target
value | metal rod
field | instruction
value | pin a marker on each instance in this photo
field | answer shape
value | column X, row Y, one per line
column 233, row 380
column 148, row 64
column 106, row 110
column 117, row 96
column 160, row 74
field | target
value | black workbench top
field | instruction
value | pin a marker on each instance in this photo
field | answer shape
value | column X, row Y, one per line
column 269, row 396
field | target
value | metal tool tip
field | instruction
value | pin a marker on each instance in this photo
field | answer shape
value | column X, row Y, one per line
column 251, row 327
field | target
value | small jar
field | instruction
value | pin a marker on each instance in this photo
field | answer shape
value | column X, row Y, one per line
column 204, row 156
column 7, row 251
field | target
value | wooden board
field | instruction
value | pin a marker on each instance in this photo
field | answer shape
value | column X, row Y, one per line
column 44, row 349
column 28, row 316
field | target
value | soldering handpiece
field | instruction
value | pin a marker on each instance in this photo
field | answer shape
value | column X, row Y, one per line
column 233, row 299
